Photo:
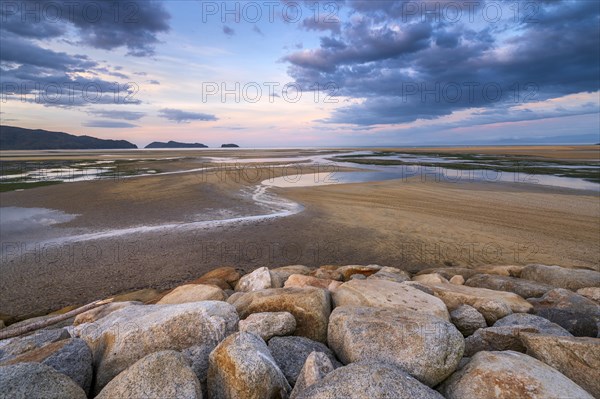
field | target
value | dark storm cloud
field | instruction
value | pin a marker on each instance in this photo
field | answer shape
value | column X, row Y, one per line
column 405, row 67
column 133, row 24
column 109, row 124
column 117, row 114
column 181, row 116
column 37, row 74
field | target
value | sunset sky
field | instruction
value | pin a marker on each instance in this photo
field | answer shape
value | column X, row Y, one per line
column 389, row 72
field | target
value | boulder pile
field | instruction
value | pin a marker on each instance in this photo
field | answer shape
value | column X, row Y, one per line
column 334, row 332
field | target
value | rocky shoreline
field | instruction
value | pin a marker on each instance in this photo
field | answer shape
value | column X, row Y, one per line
column 331, row 332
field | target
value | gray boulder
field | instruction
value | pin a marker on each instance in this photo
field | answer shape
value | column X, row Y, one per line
column 508, row 374
column 577, row 358
column 37, row 381
column 165, row 374
column 269, row 324
column 71, row 357
column 242, row 367
column 426, row 347
column 575, row 313
column 467, row 319
column 12, row 347
column 129, row 334
column 291, row 353
column 391, row 274
column 562, row 277
column 316, row 367
column 368, row 380
column 310, row 306
column 507, row 332
column 543, row 326
column 522, row 287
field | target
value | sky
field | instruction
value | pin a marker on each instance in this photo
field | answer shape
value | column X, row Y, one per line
column 304, row 73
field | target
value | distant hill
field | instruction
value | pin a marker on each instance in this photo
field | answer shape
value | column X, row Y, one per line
column 175, row 144
column 229, row 146
column 17, row 138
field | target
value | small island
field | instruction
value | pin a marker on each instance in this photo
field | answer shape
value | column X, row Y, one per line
column 175, row 144
column 229, row 146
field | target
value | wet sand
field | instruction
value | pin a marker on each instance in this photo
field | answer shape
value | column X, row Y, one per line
column 411, row 224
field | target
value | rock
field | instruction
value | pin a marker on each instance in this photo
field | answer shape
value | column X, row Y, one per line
column 334, row 285
column 388, row 294
column 147, row 295
column 575, row 313
column 165, row 374
column 23, row 323
column 234, row 297
column 300, row 281
column 561, row 277
column 269, row 324
column 216, row 282
column 521, row 287
column 592, row 293
column 2, row 324
column 72, row 357
column 493, row 305
column 280, row 275
column 102, row 311
column 198, row 356
column 467, row 319
column 327, row 274
column 427, row 347
column 316, row 367
column 310, row 307
column 227, row 274
column 420, row 287
column 12, row 347
column 259, row 279
column 543, row 326
column 432, row 278
column 449, row 272
column 390, row 273
column 193, row 293
column 350, row 270
column 508, row 270
column 36, row 380
column 242, row 367
column 127, row 335
column 368, row 380
column 358, row 277
column 496, row 339
column 576, row 358
column 458, row 280
column 291, row 353
column 509, row 375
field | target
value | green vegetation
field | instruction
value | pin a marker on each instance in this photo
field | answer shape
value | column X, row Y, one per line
column 11, row 186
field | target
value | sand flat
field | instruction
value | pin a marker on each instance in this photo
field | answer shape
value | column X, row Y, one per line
column 407, row 223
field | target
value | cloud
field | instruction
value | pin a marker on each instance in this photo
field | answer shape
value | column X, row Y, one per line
column 228, row 31
column 109, row 124
column 322, row 23
column 133, row 24
column 181, row 116
column 154, row 82
column 257, row 30
column 29, row 67
column 397, row 68
column 118, row 114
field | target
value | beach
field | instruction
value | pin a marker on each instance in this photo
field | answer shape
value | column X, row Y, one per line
column 158, row 231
